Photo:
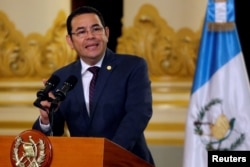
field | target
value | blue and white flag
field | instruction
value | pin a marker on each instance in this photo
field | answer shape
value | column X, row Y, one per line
column 218, row 116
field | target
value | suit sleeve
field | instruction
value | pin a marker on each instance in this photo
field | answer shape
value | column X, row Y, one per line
column 58, row 129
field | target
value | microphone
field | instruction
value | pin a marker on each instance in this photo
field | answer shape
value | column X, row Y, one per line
column 69, row 84
column 60, row 95
column 43, row 93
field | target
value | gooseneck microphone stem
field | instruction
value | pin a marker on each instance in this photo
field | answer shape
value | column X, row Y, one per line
column 52, row 110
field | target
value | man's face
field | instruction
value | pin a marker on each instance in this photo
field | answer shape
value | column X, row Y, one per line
column 89, row 37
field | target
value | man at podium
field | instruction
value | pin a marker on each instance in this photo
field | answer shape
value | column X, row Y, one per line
column 110, row 96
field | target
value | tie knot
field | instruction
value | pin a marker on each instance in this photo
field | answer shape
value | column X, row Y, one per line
column 94, row 69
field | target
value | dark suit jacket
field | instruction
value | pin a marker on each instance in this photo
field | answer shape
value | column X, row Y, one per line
column 122, row 104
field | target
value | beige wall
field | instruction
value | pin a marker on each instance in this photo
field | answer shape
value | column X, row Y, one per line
column 33, row 15
column 37, row 16
column 178, row 13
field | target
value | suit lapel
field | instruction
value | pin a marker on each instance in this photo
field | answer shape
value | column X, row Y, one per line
column 108, row 66
column 79, row 91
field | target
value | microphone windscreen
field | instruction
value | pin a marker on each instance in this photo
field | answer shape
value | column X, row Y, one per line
column 53, row 81
column 71, row 81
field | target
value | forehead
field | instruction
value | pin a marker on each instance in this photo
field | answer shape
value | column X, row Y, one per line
column 85, row 20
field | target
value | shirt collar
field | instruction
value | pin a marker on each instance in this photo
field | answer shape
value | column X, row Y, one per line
column 86, row 66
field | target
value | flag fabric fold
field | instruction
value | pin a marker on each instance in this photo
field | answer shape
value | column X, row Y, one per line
column 218, row 116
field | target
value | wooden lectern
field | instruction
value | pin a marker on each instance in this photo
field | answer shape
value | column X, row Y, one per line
column 80, row 151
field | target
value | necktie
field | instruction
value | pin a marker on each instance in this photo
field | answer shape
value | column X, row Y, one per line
column 94, row 70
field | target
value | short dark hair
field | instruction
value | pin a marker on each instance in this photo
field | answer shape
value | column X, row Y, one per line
column 83, row 10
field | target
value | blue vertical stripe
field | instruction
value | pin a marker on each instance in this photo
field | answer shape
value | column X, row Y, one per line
column 216, row 48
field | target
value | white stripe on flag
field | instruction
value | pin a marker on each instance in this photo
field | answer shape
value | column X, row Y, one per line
column 220, row 12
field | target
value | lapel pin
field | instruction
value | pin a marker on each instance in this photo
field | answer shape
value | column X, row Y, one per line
column 109, row 67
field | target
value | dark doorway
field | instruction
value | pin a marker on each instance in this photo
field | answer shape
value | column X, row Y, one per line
column 242, row 13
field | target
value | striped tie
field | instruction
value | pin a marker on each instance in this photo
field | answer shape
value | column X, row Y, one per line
column 94, row 70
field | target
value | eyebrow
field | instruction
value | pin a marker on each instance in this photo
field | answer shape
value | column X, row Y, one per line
column 81, row 28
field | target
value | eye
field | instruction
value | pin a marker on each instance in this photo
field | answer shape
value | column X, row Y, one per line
column 81, row 32
column 97, row 29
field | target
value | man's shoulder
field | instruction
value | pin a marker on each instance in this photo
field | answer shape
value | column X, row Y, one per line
column 129, row 56
column 73, row 67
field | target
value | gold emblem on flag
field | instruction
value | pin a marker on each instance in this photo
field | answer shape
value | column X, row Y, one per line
column 219, row 129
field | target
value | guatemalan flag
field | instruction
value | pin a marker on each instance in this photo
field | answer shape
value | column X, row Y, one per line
column 218, row 116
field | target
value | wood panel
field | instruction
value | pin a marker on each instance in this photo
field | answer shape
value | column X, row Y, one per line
column 75, row 151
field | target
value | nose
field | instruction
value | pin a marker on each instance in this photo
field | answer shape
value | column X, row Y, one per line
column 89, row 34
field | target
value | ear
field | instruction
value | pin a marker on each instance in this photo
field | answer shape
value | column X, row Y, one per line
column 107, row 32
column 69, row 41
